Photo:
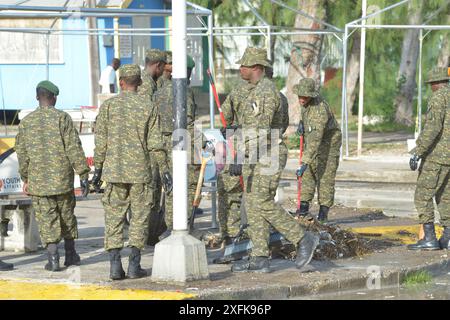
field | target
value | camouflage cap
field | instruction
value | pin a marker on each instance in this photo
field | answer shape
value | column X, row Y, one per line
column 190, row 62
column 306, row 88
column 253, row 56
column 168, row 57
column 129, row 70
column 156, row 55
column 438, row 75
column 48, row 85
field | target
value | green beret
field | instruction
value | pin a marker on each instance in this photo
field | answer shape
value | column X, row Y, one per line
column 129, row 70
column 48, row 85
column 190, row 62
column 156, row 55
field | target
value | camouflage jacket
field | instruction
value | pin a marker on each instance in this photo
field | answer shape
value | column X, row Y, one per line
column 232, row 106
column 164, row 102
column 126, row 138
column 322, row 133
column 434, row 140
column 283, row 120
column 49, row 150
column 261, row 111
column 148, row 86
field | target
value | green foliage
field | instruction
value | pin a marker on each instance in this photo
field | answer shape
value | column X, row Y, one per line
column 280, row 82
column 332, row 93
column 383, row 46
column 415, row 278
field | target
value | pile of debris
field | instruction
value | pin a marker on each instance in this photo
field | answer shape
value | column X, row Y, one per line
column 335, row 243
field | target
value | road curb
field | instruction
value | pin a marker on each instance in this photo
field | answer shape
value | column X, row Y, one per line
column 389, row 277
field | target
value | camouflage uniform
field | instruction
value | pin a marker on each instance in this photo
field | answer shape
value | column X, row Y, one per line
column 433, row 147
column 229, row 189
column 262, row 110
column 49, row 149
column 126, row 138
column 164, row 103
column 148, row 88
column 322, row 142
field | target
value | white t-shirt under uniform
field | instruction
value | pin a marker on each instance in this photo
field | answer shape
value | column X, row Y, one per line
column 107, row 78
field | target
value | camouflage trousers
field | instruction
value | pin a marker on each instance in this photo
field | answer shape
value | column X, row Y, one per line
column 55, row 217
column 117, row 199
column 229, row 193
column 320, row 176
column 262, row 211
column 432, row 182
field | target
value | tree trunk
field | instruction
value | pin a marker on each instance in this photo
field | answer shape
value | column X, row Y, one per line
column 304, row 62
column 353, row 69
column 94, row 60
column 444, row 55
column 406, row 80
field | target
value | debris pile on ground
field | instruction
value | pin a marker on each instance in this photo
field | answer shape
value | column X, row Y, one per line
column 337, row 243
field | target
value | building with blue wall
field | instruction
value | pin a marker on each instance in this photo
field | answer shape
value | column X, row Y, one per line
column 69, row 56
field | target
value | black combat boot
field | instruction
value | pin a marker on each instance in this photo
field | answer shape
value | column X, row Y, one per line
column 323, row 214
column 53, row 258
column 71, row 257
column 429, row 242
column 304, row 208
column 252, row 264
column 134, row 266
column 444, row 241
column 4, row 229
column 116, row 271
column 6, row 266
column 305, row 249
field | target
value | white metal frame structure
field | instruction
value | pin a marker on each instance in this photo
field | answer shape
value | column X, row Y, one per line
column 18, row 10
column 359, row 24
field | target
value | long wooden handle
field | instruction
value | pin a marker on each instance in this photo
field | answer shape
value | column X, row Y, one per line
column 198, row 190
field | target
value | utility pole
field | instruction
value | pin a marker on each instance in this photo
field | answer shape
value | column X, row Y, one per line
column 179, row 257
column 361, row 79
column 94, row 63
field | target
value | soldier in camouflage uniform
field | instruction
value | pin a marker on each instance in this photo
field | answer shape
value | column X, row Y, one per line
column 155, row 64
column 321, row 148
column 164, row 103
column 229, row 188
column 433, row 148
column 261, row 111
column 167, row 73
column 49, row 150
column 126, row 139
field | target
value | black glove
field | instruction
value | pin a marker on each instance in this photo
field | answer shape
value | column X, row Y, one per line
column 223, row 130
column 235, row 169
column 96, row 182
column 413, row 162
column 300, row 128
column 167, row 182
column 84, row 187
column 301, row 170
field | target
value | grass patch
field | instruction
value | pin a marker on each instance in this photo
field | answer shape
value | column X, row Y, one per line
column 416, row 278
column 293, row 142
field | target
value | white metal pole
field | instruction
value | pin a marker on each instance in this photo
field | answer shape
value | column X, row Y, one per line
column 47, row 56
column 211, row 68
column 179, row 151
column 269, row 44
column 362, row 58
column 344, row 86
column 419, row 98
column 211, row 112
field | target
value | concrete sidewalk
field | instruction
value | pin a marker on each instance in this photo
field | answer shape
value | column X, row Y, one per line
column 379, row 169
column 90, row 280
